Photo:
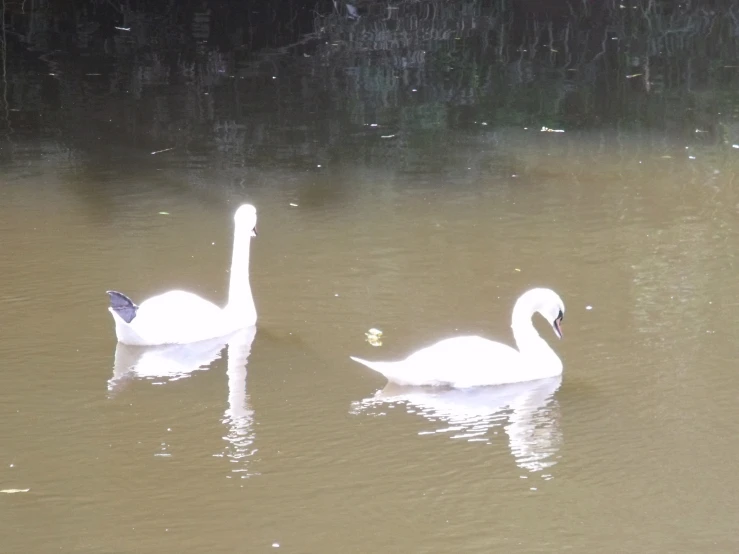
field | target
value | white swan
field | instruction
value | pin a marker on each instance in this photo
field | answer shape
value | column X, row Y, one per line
column 462, row 362
column 179, row 317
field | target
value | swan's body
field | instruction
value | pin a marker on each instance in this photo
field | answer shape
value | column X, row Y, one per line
column 179, row 317
column 463, row 362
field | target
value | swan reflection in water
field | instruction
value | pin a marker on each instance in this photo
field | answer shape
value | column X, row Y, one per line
column 162, row 364
column 527, row 411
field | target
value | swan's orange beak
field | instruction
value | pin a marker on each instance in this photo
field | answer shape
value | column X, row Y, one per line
column 558, row 327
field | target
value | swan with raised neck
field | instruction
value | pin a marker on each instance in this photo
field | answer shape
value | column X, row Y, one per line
column 472, row 361
column 180, row 317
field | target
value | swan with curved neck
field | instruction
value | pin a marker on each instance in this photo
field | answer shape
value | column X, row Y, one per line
column 179, row 317
column 472, row 361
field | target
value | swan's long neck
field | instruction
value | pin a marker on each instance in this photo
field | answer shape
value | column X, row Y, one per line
column 527, row 339
column 240, row 299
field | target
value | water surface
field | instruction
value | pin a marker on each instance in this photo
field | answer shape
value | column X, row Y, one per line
column 273, row 438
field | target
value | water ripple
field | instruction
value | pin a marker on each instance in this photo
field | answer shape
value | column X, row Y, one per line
column 527, row 412
column 163, row 364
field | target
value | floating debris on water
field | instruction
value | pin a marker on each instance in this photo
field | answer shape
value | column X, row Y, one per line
column 374, row 337
column 548, row 130
column 13, row 491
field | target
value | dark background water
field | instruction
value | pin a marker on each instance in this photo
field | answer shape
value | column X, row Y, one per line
column 251, row 85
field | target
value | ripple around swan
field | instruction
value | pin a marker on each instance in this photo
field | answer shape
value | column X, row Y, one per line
column 162, row 364
column 528, row 412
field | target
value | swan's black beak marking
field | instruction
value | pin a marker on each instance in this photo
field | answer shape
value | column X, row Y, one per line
column 122, row 305
column 558, row 324
column 254, row 231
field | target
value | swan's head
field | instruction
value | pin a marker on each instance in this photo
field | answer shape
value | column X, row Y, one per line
column 246, row 216
column 547, row 303
column 552, row 308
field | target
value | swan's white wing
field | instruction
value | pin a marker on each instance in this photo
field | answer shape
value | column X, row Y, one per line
column 457, row 362
column 177, row 317
column 178, row 303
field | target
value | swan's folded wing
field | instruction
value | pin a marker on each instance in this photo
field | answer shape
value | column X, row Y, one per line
column 465, row 362
column 181, row 315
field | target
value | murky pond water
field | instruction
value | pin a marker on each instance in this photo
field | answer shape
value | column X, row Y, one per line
column 275, row 439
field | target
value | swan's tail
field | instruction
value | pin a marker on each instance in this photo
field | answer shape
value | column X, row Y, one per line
column 122, row 305
column 379, row 367
column 396, row 372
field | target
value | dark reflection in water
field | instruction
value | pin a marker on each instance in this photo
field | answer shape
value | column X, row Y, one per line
column 211, row 85
column 163, row 364
column 527, row 411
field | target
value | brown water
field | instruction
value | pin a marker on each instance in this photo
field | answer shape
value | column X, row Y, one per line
column 632, row 450
column 403, row 182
